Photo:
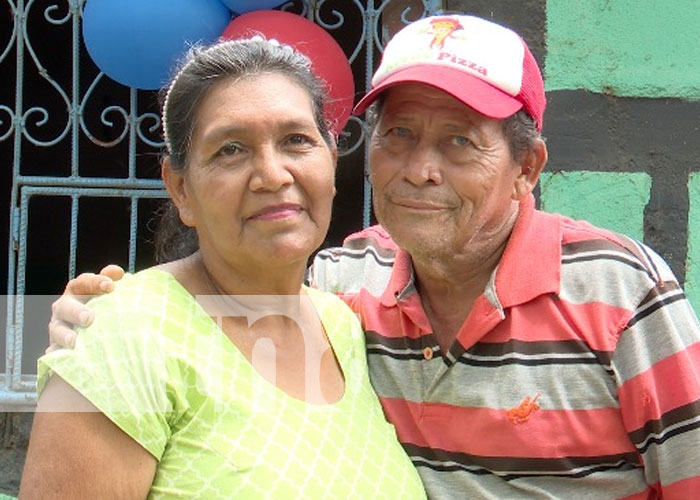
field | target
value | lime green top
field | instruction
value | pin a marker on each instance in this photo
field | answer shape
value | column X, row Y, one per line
column 162, row 370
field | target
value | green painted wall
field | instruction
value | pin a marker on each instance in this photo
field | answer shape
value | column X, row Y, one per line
column 642, row 48
column 613, row 200
column 643, row 58
column 692, row 282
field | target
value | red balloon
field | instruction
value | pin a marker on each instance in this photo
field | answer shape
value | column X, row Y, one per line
column 327, row 58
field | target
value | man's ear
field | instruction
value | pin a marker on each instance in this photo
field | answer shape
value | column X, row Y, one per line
column 177, row 189
column 531, row 167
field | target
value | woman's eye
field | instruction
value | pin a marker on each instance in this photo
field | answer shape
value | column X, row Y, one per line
column 298, row 139
column 230, row 148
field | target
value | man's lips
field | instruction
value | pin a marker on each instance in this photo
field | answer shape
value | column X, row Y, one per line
column 418, row 204
column 276, row 212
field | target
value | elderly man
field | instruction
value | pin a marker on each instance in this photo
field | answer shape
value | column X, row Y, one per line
column 519, row 354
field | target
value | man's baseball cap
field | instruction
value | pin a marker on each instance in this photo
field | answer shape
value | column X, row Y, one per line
column 485, row 65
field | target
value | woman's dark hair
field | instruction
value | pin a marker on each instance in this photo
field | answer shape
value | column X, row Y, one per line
column 200, row 70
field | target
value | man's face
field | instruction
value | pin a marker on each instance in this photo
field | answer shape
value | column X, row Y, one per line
column 442, row 173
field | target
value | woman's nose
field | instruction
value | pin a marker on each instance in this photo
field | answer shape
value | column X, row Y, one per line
column 270, row 170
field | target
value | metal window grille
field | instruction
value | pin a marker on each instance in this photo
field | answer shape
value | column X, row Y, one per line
column 79, row 145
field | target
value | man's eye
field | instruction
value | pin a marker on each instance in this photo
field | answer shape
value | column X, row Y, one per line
column 401, row 132
column 459, row 140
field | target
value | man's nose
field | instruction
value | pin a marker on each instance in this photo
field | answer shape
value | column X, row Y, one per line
column 424, row 165
column 270, row 170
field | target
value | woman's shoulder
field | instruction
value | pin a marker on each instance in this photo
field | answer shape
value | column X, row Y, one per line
column 335, row 314
column 328, row 302
column 152, row 278
column 141, row 289
column 147, row 299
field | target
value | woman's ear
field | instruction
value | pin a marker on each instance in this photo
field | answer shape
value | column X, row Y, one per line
column 334, row 153
column 177, row 189
column 531, row 167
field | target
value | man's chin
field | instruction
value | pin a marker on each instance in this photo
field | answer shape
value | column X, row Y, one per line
column 419, row 239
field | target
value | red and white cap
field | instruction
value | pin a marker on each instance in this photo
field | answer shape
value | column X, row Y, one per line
column 485, row 65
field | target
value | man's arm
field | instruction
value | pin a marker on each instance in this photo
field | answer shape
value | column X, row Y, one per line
column 657, row 366
column 70, row 309
column 77, row 452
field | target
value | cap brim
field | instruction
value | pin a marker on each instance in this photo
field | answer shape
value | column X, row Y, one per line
column 469, row 89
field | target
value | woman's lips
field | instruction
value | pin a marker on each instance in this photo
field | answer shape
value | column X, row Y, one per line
column 276, row 212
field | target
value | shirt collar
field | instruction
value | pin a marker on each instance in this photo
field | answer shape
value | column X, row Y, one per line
column 402, row 280
column 531, row 262
column 530, row 265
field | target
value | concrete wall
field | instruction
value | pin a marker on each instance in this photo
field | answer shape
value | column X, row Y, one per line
column 623, row 87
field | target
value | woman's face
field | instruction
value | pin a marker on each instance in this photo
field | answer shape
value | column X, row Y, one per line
column 261, row 179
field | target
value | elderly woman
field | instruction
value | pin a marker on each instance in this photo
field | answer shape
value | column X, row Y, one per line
column 266, row 398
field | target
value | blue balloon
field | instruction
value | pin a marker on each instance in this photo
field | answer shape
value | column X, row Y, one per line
column 137, row 42
column 243, row 6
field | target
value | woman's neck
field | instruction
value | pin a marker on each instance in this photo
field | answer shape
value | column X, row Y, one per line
column 204, row 275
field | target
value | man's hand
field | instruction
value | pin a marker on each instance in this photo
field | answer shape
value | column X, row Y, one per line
column 70, row 309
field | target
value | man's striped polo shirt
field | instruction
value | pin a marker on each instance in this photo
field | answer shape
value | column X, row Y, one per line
column 576, row 374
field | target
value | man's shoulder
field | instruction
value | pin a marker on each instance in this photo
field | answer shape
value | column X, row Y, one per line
column 374, row 236
column 364, row 261
column 618, row 264
column 372, row 242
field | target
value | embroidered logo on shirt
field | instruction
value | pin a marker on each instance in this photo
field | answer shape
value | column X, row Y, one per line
column 521, row 413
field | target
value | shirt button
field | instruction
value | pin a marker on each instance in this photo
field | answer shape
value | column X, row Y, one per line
column 428, row 353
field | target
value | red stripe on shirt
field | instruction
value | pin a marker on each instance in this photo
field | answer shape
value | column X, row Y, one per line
column 487, row 432
column 648, row 494
column 647, row 401
column 592, row 320
column 683, row 489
